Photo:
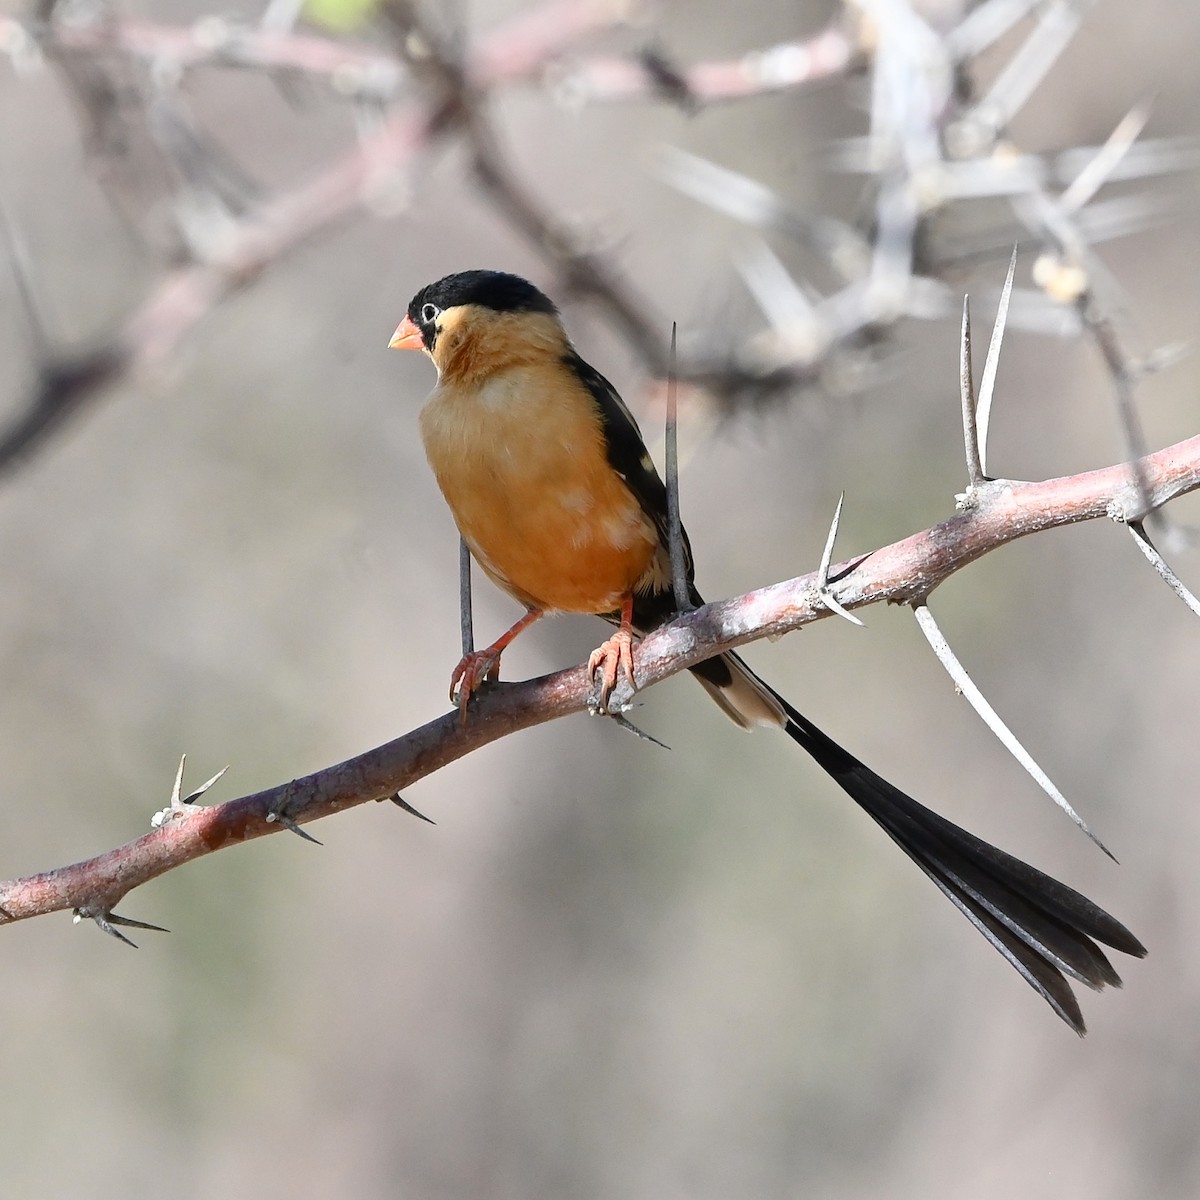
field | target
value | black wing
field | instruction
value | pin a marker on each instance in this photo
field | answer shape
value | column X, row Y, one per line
column 631, row 460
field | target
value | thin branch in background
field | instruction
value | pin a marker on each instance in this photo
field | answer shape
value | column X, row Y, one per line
column 1071, row 272
column 1162, row 567
column 187, row 294
column 786, row 66
column 966, row 686
column 1146, row 158
column 215, row 42
column 885, row 276
column 834, row 241
column 985, row 25
column 799, row 335
column 1056, row 25
column 22, row 276
column 1101, row 327
column 1100, row 169
column 582, row 272
column 1120, row 370
column 533, row 40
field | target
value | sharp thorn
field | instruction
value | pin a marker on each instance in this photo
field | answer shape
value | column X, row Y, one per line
column 178, row 781
column 201, row 789
column 834, row 607
column 966, row 386
column 108, row 921
column 625, row 723
column 291, row 825
column 400, row 802
column 823, row 570
column 130, row 923
column 991, row 363
column 827, row 553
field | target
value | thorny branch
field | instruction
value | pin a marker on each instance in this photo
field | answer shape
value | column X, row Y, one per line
column 904, row 572
column 933, row 144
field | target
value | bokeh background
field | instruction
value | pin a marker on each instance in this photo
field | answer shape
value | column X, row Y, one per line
column 609, row 970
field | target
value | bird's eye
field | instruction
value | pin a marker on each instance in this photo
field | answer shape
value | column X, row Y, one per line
column 429, row 313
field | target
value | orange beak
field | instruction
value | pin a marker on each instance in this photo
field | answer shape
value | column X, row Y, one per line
column 407, row 337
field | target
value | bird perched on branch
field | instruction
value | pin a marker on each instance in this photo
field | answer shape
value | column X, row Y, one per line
column 555, row 494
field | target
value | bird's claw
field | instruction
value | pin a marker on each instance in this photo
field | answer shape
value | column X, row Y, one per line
column 614, row 657
column 472, row 672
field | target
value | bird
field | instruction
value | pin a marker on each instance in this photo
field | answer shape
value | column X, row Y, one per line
column 557, row 498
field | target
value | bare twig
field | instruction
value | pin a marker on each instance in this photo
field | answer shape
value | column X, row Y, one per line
column 784, row 67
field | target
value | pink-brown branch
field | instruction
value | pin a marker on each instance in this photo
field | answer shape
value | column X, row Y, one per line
column 903, row 572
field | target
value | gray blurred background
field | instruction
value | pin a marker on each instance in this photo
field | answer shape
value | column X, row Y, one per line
column 609, row 970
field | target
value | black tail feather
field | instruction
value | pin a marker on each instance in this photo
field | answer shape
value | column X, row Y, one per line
column 1042, row 927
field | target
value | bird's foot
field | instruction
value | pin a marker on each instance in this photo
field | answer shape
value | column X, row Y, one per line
column 471, row 673
column 607, row 661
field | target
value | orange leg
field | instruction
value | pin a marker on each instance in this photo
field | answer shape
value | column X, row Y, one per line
column 484, row 664
column 614, row 655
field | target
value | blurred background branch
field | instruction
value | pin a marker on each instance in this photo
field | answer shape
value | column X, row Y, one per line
column 936, row 151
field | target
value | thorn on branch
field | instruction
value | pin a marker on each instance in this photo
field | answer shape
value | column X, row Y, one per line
column 181, row 807
column 987, row 384
column 967, row 687
column 823, row 588
column 623, row 722
column 108, row 921
column 400, row 802
column 281, row 818
column 1161, row 566
column 966, row 391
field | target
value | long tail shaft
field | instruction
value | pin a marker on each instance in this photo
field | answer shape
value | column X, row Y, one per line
column 1046, row 930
